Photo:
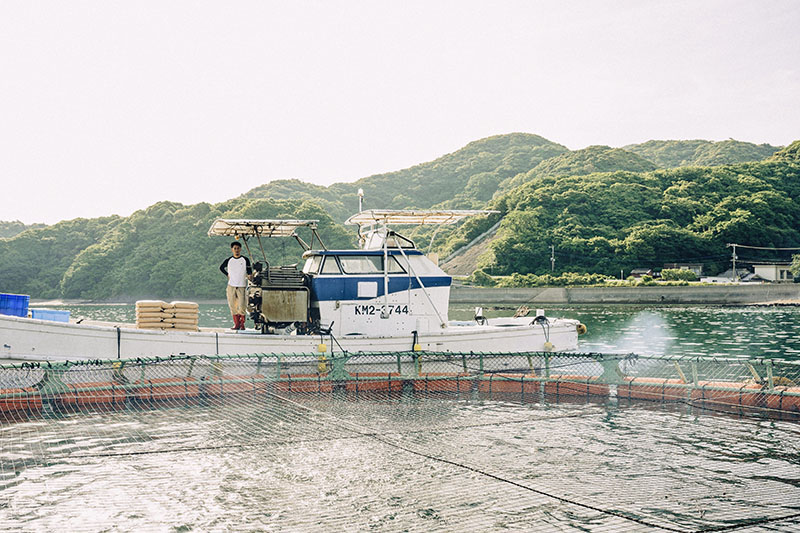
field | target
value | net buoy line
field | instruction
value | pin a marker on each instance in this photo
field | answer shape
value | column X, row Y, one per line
column 699, row 403
column 755, row 385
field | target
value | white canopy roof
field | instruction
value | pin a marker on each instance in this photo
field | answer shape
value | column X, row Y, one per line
column 264, row 228
column 394, row 217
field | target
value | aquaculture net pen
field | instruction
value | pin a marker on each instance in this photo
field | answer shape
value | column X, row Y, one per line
column 408, row 441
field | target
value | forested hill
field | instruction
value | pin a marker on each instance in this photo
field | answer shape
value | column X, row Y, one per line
column 472, row 176
column 581, row 162
column 607, row 222
column 13, row 228
column 162, row 251
column 699, row 153
column 790, row 154
column 618, row 221
column 602, row 208
column 466, row 178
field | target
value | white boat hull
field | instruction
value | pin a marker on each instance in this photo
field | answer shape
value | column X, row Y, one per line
column 41, row 340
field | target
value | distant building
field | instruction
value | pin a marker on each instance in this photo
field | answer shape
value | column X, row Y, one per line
column 697, row 268
column 639, row 272
column 742, row 274
column 778, row 271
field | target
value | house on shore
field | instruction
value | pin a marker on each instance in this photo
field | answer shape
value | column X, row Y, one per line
column 639, row 272
column 777, row 271
column 743, row 275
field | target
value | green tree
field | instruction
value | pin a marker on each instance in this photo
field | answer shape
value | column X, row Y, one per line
column 678, row 274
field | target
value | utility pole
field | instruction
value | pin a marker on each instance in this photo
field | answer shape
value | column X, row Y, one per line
column 552, row 258
column 733, row 258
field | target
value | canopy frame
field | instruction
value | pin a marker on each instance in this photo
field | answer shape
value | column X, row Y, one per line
column 270, row 228
column 413, row 217
column 383, row 218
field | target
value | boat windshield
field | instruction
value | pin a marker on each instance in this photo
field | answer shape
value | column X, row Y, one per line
column 353, row 264
column 330, row 266
column 365, row 264
column 312, row 264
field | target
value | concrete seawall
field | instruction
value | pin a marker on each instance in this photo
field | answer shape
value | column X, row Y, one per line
column 705, row 294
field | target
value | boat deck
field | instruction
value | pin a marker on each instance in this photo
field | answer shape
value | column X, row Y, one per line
column 128, row 325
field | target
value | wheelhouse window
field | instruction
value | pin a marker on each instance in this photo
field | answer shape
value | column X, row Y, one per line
column 369, row 264
column 312, row 264
column 330, row 266
column 362, row 264
column 395, row 267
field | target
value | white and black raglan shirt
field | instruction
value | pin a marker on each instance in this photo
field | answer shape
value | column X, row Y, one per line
column 237, row 270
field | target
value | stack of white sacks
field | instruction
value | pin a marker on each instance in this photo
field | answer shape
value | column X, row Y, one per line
column 156, row 314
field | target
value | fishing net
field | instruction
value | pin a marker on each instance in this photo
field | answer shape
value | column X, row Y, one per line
column 401, row 442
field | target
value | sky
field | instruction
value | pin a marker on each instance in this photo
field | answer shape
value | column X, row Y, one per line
column 108, row 106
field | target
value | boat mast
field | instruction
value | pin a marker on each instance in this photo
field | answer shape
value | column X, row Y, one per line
column 385, row 310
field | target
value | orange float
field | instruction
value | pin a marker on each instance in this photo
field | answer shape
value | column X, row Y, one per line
column 572, row 385
column 374, row 381
column 166, row 389
column 443, row 382
column 784, row 399
column 728, row 393
column 22, row 399
column 658, row 389
column 234, row 385
column 303, row 383
column 509, row 383
column 93, row 393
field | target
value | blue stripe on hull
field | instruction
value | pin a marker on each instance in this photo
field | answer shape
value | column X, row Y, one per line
column 346, row 288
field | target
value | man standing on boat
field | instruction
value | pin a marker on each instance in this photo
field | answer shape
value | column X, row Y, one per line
column 237, row 268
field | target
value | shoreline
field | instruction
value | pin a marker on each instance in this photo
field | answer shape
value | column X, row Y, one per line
column 786, row 294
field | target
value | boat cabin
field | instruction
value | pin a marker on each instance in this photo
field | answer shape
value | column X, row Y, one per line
column 376, row 291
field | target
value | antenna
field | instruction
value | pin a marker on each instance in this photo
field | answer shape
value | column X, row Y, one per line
column 360, row 199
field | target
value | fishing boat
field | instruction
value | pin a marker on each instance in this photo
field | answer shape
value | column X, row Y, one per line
column 387, row 295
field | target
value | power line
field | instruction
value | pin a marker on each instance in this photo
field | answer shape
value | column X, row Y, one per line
column 763, row 247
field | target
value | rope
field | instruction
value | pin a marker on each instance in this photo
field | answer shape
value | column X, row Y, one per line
column 748, row 523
